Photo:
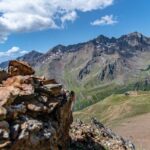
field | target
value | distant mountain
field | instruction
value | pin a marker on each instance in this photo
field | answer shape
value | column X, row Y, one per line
column 105, row 58
column 31, row 57
column 96, row 68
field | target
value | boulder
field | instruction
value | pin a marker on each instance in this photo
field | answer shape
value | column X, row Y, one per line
column 34, row 113
column 19, row 68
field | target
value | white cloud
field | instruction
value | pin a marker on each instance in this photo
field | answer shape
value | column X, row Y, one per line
column 11, row 53
column 69, row 17
column 33, row 15
column 105, row 20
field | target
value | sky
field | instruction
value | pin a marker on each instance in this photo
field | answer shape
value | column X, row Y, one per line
column 27, row 25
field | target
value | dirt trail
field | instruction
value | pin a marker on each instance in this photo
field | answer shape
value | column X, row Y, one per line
column 136, row 129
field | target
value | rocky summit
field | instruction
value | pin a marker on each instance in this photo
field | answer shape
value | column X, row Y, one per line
column 36, row 113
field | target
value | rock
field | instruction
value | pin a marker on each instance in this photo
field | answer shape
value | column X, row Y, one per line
column 19, row 68
column 3, row 75
column 4, row 125
column 3, row 113
column 32, row 125
column 55, row 89
column 7, row 95
column 4, row 144
column 52, row 81
column 15, row 110
column 37, row 112
column 15, row 131
column 96, row 136
column 4, row 134
column 37, row 107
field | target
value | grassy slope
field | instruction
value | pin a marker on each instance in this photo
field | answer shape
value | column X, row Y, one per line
column 117, row 107
column 88, row 95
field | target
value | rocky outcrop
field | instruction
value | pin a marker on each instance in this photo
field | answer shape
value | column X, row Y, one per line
column 96, row 136
column 34, row 113
column 111, row 70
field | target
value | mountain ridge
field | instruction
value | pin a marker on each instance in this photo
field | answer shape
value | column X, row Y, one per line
column 122, row 63
column 69, row 48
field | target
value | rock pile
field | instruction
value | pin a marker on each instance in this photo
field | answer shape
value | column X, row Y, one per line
column 35, row 113
column 96, row 136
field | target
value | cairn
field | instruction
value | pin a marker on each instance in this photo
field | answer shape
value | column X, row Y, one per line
column 35, row 113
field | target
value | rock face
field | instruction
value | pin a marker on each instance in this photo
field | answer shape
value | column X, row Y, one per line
column 96, row 136
column 34, row 113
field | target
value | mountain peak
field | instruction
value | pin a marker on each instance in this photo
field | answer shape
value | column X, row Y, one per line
column 132, row 35
column 57, row 48
column 135, row 34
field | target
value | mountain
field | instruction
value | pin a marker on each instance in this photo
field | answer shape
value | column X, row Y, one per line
column 31, row 57
column 99, row 67
column 127, row 114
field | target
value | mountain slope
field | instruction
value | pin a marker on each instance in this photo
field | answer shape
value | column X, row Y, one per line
column 97, row 64
column 98, row 68
column 128, row 114
column 117, row 107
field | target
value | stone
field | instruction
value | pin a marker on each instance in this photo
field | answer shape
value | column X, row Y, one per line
column 15, row 110
column 4, row 144
column 55, row 89
column 32, row 125
column 19, row 68
column 15, row 131
column 37, row 116
column 4, row 125
column 37, row 107
column 6, row 95
column 3, row 113
column 50, row 81
column 3, row 75
column 82, row 134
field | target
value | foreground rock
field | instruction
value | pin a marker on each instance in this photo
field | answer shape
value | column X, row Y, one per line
column 34, row 113
column 96, row 136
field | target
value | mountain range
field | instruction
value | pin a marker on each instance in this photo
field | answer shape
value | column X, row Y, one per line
column 111, row 79
column 95, row 67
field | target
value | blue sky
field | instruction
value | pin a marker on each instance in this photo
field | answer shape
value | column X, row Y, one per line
column 27, row 25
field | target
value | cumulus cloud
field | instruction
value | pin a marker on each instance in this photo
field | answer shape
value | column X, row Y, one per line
column 12, row 53
column 69, row 17
column 33, row 15
column 105, row 20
